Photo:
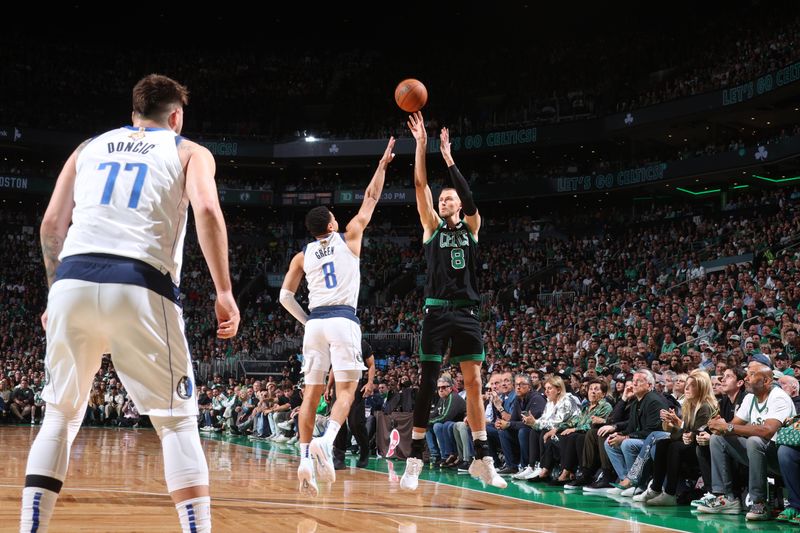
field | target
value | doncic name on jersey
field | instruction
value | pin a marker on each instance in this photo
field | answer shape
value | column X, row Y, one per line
column 134, row 147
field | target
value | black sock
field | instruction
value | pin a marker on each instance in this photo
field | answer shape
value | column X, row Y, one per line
column 417, row 448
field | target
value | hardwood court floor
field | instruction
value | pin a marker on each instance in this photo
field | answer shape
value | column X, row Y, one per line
column 116, row 484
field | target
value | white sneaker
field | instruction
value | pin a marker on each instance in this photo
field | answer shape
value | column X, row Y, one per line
column 630, row 492
column 280, row 439
column 321, row 450
column 646, row 496
column 287, row 425
column 293, row 440
column 524, row 474
column 663, row 500
column 705, row 501
column 410, row 478
column 484, row 469
column 721, row 505
column 305, row 473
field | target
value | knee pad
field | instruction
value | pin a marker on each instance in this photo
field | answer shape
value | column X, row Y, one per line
column 49, row 455
column 184, row 462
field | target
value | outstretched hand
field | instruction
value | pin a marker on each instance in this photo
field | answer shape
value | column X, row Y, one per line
column 388, row 154
column 417, row 126
column 444, row 144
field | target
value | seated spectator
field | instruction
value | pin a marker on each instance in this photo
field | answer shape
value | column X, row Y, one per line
column 258, row 418
column 500, row 403
column 594, row 451
column 373, row 404
column 748, row 439
column 94, row 409
column 514, row 434
column 448, row 409
column 733, row 393
column 790, row 386
column 573, row 432
column 678, row 452
column 130, row 414
column 204, row 404
column 22, row 402
column 560, row 408
column 623, row 447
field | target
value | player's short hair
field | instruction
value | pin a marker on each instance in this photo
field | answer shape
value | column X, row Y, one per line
column 448, row 189
column 155, row 96
column 317, row 220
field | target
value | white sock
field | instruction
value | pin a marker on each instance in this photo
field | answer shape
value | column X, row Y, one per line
column 304, row 450
column 479, row 435
column 417, row 435
column 37, row 509
column 195, row 515
column 331, row 431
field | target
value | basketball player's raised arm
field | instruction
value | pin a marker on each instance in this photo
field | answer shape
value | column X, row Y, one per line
column 211, row 233
column 290, row 284
column 427, row 213
column 471, row 215
column 355, row 228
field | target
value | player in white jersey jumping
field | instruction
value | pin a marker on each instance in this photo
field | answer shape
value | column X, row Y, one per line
column 113, row 277
column 333, row 333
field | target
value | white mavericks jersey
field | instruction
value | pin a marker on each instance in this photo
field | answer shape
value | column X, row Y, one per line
column 130, row 198
column 332, row 271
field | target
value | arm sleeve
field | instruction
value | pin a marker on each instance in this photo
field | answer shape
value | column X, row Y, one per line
column 461, row 187
column 291, row 305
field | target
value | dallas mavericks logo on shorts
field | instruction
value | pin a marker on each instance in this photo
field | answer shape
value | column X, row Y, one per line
column 185, row 388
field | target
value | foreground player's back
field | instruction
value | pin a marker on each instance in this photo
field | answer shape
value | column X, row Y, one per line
column 130, row 198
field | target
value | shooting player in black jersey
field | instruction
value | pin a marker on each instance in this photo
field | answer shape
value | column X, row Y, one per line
column 451, row 304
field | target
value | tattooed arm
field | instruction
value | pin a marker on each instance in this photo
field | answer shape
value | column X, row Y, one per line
column 58, row 216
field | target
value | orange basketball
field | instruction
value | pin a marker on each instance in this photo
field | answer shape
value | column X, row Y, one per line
column 411, row 95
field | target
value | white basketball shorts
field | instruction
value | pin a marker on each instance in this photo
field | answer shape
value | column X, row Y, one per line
column 141, row 329
column 332, row 343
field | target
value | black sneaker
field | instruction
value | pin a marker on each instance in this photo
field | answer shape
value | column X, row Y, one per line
column 463, row 467
column 601, row 485
column 451, row 462
column 579, row 482
column 507, row 470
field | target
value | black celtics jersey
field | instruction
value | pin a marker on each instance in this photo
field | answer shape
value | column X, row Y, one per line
column 452, row 260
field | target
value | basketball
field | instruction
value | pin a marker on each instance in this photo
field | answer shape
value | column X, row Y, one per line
column 411, row 95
